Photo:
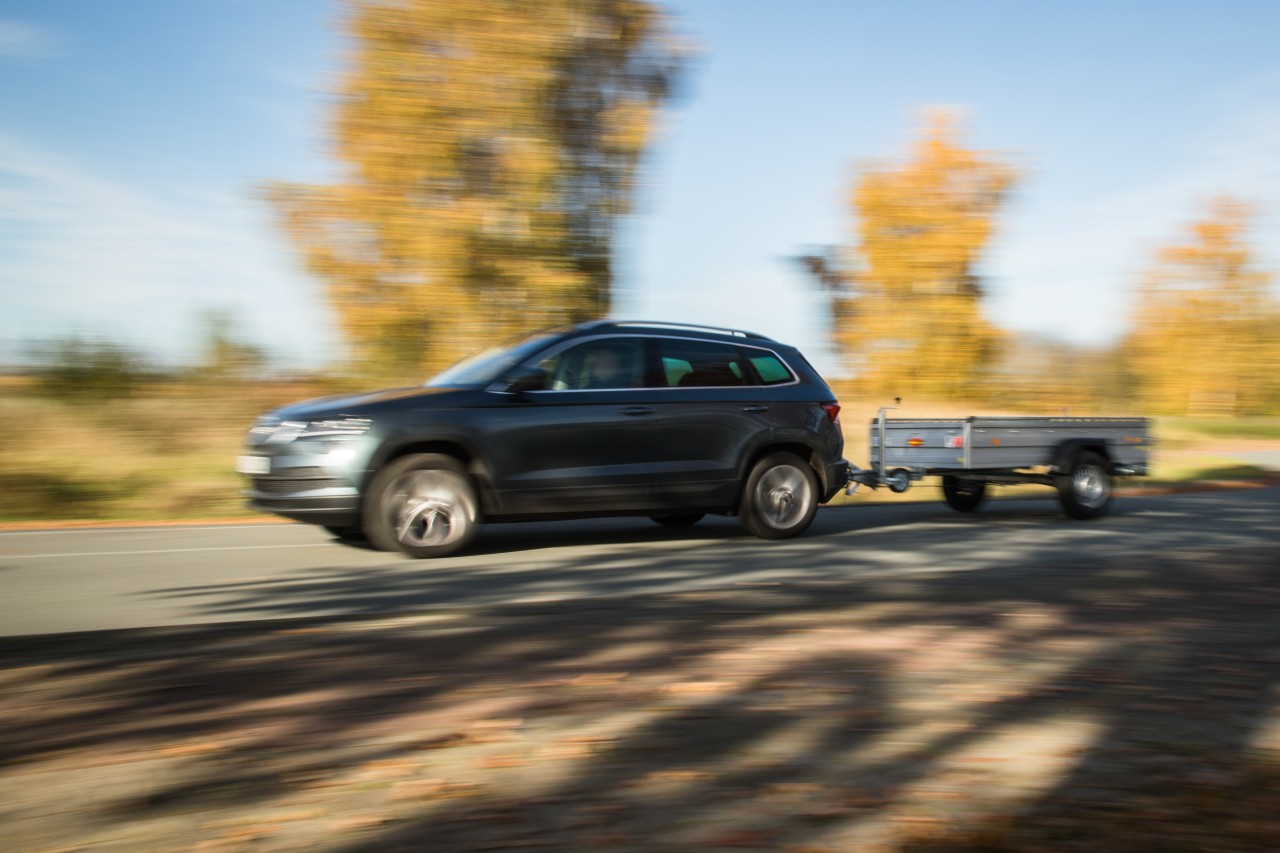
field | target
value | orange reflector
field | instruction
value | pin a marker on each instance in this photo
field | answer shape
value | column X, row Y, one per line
column 915, row 442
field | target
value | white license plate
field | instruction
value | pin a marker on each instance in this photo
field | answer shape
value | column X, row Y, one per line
column 253, row 464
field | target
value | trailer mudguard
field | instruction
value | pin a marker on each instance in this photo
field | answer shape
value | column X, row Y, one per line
column 1066, row 452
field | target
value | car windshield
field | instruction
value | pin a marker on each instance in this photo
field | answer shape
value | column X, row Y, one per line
column 479, row 370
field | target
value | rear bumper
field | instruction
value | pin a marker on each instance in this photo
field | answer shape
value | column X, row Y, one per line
column 835, row 476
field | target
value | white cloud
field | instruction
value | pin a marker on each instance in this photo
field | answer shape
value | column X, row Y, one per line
column 89, row 255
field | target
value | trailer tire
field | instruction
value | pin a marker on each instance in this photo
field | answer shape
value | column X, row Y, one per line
column 1085, row 491
column 781, row 497
column 963, row 495
column 898, row 480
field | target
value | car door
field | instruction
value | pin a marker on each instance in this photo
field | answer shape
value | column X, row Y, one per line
column 582, row 442
column 709, row 416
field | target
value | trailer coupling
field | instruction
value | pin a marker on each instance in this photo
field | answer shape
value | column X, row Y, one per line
column 898, row 480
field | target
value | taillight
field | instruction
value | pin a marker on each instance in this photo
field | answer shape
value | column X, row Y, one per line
column 833, row 411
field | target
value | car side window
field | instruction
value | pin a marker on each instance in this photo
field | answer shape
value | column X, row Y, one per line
column 596, row 365
column 770, row 369
column 701, row 364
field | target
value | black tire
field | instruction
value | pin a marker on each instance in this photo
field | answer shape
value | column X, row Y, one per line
column 898, row 480
column 781, row 497
column 685, row 520
column 1086, row 490
column 963, row 495
column 422, row 504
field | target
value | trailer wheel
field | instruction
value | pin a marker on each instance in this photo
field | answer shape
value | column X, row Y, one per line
column 963, row 495
column 898, row 480
column 781, row 497
column 1086, row 490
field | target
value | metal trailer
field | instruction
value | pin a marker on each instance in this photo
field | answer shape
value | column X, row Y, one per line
column 1080, row 457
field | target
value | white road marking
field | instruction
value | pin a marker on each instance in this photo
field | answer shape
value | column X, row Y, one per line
column 164, row 551
column 158, row 528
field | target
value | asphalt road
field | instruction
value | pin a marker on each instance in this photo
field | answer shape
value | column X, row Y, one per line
column 84, row 580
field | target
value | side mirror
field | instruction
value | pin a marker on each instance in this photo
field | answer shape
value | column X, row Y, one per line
column 527, row 379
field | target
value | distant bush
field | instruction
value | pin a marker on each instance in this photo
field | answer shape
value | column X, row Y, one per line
column 79, row 368
column 226, row 355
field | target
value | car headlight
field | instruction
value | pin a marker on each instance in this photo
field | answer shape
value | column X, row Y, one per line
column 272, row 431
column 335, row 427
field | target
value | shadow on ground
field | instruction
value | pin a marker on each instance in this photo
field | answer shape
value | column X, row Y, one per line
column 1111, row 704
column 609, row 558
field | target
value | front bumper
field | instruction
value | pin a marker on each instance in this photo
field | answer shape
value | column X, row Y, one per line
column 302, row 485
column 327, row 510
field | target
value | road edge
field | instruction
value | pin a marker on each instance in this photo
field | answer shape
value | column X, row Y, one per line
column 1191, row 486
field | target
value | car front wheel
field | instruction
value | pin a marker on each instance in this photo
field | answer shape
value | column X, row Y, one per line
column 422, row 504
column 781, row 497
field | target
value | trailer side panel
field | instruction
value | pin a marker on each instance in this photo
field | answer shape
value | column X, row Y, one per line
column 1006, row 443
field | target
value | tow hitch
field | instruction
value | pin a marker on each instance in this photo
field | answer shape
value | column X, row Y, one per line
column 898, row 480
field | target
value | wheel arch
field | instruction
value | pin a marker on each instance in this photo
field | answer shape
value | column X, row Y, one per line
column 1066, row 452
column 804, row 451
column 477, row 470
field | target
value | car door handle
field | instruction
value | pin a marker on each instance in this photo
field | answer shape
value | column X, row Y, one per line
column 635, row 411
column 755, row 410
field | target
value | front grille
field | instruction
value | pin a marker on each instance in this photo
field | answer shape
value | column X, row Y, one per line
column 299, row 474
column 296, row 480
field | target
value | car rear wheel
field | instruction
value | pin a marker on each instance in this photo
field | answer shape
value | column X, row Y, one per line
column 781, row 497
column 422, row 504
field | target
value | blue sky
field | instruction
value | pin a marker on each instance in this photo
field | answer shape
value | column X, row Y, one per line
column 135, row 137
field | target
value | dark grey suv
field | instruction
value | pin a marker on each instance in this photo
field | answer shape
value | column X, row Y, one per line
column 605, row 418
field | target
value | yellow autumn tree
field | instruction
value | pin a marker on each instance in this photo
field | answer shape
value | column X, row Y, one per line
column 488, row 149
column 908, row 318
column 1204, row 327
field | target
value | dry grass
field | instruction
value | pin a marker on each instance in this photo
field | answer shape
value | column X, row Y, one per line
column 168, row 455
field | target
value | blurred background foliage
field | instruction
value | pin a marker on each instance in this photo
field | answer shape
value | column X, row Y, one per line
column 489, row 147
column 1204, row 332
column 905, row 297
column 84, row 369
column 907, row 313
column 487, row 151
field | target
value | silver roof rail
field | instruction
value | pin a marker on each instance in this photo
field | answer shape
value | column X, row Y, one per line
column 658, row 324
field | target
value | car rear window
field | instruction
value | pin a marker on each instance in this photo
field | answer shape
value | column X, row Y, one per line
column 771, row 369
